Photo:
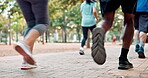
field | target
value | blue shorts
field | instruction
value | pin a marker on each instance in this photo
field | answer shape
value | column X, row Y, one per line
column 143, row 22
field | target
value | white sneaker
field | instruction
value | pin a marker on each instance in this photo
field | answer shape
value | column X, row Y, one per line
column 23, row 49
column 26, row 66
column 81, row 51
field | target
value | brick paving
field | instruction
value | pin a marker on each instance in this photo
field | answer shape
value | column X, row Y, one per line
column 60, row 60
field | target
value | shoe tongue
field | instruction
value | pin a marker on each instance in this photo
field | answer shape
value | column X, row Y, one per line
column 81, row 49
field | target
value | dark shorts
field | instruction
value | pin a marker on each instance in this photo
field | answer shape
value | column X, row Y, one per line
column 143, row 23
column 85, row 29
column 128, row 6
column 136, row 21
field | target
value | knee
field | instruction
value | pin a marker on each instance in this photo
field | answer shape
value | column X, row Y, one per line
column 85, row 37
column 107, row 24
column 129, row 21
column 143, row 35
column 41, row 28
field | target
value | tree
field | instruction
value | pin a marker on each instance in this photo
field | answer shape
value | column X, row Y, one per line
column 62, row 8
column 64, row 17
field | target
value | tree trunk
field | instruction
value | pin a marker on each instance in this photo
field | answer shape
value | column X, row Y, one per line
column 43, row 41
column 9, row 31
column 17, row 37
column 65, row 35
column 78, row 32
column 47, row 36
column 88, row 40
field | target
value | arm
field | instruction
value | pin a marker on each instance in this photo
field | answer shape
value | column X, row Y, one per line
column 95, row 12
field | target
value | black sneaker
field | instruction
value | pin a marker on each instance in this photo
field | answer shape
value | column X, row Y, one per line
column 137, row 48
column 124, row 64
column 141, row 53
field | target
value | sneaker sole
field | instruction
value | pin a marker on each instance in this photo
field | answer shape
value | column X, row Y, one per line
column 98, row 50
column 125, row 67
column 81, row 52
column 141, row 55
column 27, row 68
column 27, row 57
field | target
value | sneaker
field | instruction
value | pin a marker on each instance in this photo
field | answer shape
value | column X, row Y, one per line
column 24, row 50
column 98, row 50
column 26, row 66
column 81, row 51
column 124, row 64
column 141, row 52
column 136, row 47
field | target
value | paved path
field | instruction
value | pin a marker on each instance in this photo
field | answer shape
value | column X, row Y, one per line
column 69, row 64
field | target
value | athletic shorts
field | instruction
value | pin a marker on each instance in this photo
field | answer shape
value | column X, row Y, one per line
column 128, row 6
column 143, row 22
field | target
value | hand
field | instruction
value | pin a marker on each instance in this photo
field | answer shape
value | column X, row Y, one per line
column 97, row 19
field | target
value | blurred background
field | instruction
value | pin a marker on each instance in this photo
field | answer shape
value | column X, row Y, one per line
column 65, row 23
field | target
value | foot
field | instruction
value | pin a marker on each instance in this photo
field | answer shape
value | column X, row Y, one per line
column 24, row 50
column 26, row 66
column 124, row 64
column 136, row 47
column 81, row 51
column 141, row 52
column 98, row 50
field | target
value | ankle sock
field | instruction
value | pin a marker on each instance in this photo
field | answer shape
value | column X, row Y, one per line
column 137, row 42
column 81, row 48
column 142, row 45
column 124, row 53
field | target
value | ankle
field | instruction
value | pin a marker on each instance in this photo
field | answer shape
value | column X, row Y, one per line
column 123, row 59
column 81, row 48
column 124, row 52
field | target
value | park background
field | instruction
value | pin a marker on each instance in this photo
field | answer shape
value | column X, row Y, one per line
column 65, row 23
column 59, row 56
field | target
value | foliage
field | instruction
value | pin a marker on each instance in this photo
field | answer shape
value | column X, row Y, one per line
column 64, row 16
column 3, row 23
